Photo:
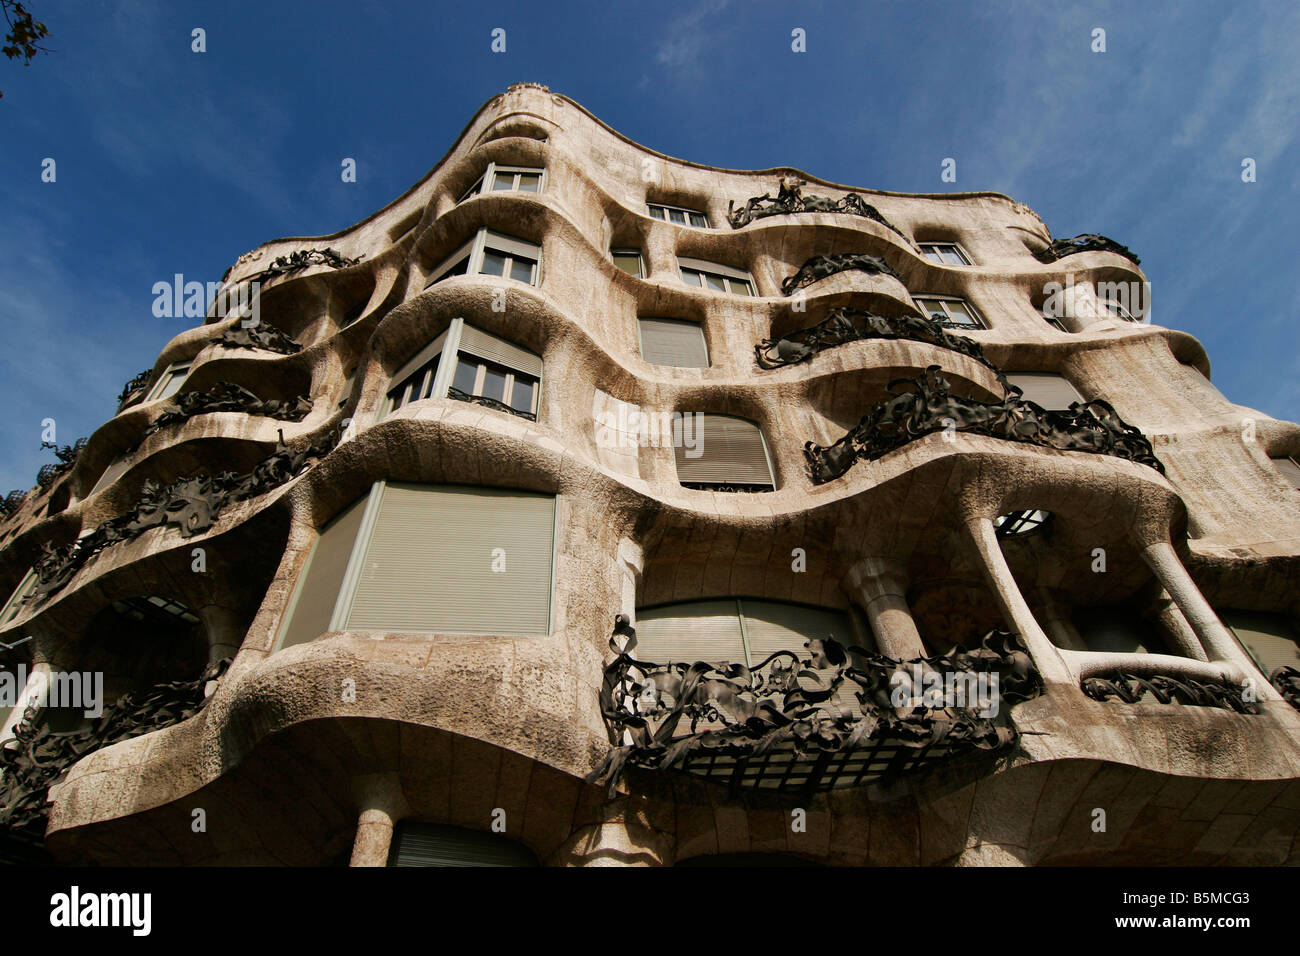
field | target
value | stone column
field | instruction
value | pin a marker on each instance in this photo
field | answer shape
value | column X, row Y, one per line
column 382, row 805
column 1165, row 613
column 1012, row 602
column 879, row 585
column 1060, row 629
column 1219, row 645
column 223, row 629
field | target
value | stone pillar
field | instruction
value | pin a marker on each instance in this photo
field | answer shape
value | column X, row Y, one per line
column 879, row 585
column 1219, row 645
column 1012, row 603
column 1166, row 614
column 382, row 805
column 1055, row 623
column 631, row 564
column 224, row 631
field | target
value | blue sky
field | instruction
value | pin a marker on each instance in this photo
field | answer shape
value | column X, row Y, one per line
column 172, row 161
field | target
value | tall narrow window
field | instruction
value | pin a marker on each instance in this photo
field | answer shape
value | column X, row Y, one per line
column 715, row 277
column 447, row 559
column 629, row 260
column 498, row 178
column 950, row 312
column 721, row 453
column 678, row 215
column 945, row 253
column 1045, row 389
column 1289, row 469
column 673, row 342
column 494, row 254
column 114, row 471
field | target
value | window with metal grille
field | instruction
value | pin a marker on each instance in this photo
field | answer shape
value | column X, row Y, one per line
column 715, row 277
column 1015, row 523
column 950, row 312
column 945, row 253
column 678, row 215
column 721, row 453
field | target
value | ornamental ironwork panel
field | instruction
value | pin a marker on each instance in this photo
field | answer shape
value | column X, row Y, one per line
column 227, row 397
column 790, row 200
column 134, row 389
column 1088, row 242
column 302, row 259
column 190, row 504
column 784, row 723
column 38, row 757
column 1164, row 689
column 460, row 396
column 820, row 267
column 1287, row 682
column 262, row 336
column 843, row 325
column 927, row 406
column 12, row 502
column 67, row 456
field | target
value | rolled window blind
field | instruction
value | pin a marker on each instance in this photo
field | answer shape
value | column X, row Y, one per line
column 1269, row 638
column 1048, row 390
column 730, row 451
column 1289, row 469
column 686, row 633
column 673, row 342
column 497, row 350
column 429, row 563
column 428, row 844
column 317, row 594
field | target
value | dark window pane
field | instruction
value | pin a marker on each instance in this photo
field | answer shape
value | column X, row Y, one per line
column 529, row 182
column 677, row 216
column 714, row 282
column 494, row 263
column 522, row 399
column 466, row 372
column 503, row 181
column 691, row 277
column 698, row 220
column 522, row 269
column 629, row 263
column 494, row 384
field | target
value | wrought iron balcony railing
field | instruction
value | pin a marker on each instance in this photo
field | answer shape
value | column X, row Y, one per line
column 821, row 267
column 826, row 718
column 460, row 396
column 1088, row 242
column 1171, row 690
column 790, row 200
column 927, row 407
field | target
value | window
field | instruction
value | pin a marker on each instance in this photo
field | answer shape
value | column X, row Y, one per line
column 739, row 630
column 1117, row 311
column 944, row 253
column 678, row 215
column 432, row 844
column 114, row 471
column 494, row 254
column 721, row 453
column 1045, row 389
column 500, row 179
column 487, row 370
column 1289, row 469
column 446, row 559
column 14, row 606
column 1117, row 630
column 715, row 277
column 673, row 342
column 629, row 260
column 170, row 382
column 950, row 312
column 1270, row 639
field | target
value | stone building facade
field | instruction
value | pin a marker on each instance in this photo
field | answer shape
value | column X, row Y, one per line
column 589, row 506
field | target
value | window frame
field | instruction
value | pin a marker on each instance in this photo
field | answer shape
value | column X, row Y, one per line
column 727, row 274
column 473, row 252
column 14, row 606
column 627, row 252
column 489, row 176
column 687, row 213
column 704, row 340
column 980, row 322
column 956, row 247
column 449, row 342
column 172, row 373
column 714, row 485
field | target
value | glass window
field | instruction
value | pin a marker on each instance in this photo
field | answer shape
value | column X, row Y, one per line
column 524, row 397
column 494, row 263
column 530, row 182
column 466, row 375
column 522, row 269
column 718, row 278
column 629, row 260
column 678, row 215
column 944, row 253
column 951, row 312
column 494, row 383
column 507, row 179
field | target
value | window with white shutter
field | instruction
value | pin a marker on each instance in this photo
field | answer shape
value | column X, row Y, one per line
column 721, row 453
column 673, row 342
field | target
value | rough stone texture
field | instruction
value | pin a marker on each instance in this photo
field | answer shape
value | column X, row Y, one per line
column 462, row 726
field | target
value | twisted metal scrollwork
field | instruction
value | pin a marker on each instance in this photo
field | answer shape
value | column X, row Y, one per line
column 790, row 702
column 12, row 502
column 843, row 325
column 460, row 396
column 37, row 757
column 1170, row 690
column 263, row 336
column 820, row 267
column 1287, row 682
column 191, row 504
column 1088, row 242
column 927, row 407
column 303, row 258
column 227, row 397
column 790, row 199
column 133, row 390
column 67, row 456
